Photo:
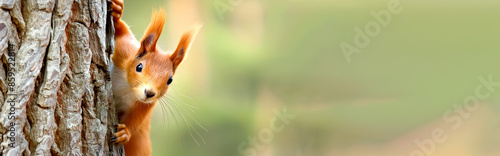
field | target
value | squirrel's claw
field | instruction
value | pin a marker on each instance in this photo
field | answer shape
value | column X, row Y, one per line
column 114, row 138
column 122, row 136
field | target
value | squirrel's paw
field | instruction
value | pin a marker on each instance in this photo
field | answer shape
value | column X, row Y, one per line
column 122, row 136
column 117, row 9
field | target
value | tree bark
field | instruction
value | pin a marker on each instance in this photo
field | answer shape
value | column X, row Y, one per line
column 55, row 84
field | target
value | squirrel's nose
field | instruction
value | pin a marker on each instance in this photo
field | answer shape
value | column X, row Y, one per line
column 149, row 93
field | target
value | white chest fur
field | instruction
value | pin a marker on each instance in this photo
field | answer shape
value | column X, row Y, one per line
column 122, row 91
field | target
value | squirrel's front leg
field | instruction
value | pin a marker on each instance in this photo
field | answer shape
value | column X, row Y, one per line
column 116, row 11
column 122, row 135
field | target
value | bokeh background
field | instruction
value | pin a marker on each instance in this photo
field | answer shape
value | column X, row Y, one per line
column 402, row 95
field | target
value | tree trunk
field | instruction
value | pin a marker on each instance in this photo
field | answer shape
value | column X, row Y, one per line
column 55, row 79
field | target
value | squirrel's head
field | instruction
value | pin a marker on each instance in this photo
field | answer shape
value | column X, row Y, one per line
column 152, row 70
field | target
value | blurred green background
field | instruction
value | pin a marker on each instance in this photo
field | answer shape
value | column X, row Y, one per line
column 255, row 57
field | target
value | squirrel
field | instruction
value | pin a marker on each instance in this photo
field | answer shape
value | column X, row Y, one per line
column 141, row 75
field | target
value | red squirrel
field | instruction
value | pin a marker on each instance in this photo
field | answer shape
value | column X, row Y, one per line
column 141, row 75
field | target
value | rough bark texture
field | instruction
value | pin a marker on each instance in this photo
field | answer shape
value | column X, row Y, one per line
column 55, row 82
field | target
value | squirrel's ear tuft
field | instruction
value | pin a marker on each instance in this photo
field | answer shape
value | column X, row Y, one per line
column 184, row 45
column 152, row 34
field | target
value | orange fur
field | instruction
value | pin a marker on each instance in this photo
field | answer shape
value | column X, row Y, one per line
column 132, row 88
column 184, row 45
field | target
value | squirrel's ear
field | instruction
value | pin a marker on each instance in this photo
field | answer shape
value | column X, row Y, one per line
column 152, row 34
column 184, row 45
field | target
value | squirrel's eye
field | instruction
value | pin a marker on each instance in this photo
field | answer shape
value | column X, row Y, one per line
column 170, row 80
column 139, row 68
